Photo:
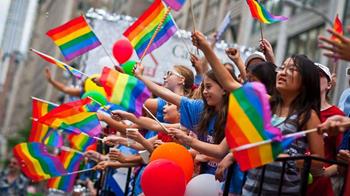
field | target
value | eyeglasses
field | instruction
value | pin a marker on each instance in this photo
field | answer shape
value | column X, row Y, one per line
column 170, row 73
column 289, row 69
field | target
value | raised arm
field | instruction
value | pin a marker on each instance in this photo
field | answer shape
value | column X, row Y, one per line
column 235, row 56
column 221, row 73
column 156, row 89
column 72, row 91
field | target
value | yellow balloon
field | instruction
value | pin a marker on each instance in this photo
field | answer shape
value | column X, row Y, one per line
column 91, row 86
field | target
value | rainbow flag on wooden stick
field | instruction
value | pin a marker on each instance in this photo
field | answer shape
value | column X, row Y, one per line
column 78, row 74
column 124, row 90
column 248, row 122
column 141, row 31
column 261, row 14
column 36, row 163
column 72, row 117
column 71, row 161
column 40, row 132
column 74, row 38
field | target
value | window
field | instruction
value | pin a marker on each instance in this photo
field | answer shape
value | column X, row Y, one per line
column 305, row 43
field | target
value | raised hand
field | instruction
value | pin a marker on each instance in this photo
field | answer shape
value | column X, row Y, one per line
column 336, row 49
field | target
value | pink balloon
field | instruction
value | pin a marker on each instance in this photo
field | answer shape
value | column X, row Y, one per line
column 163, row 177
column 122, row 50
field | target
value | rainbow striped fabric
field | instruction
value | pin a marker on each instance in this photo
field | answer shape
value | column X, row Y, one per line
column 71, row 117
column 80, row 142
column 248, row 121
column 71, row 161
column 141, row 31
column 40, row 132
column 175, row 4
column 74, row 38
column 261, row 14
column 337, row 27
column 124, row 90
column 60, row 64
column 36, row 163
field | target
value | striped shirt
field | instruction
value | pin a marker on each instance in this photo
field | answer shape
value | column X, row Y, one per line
column 273, row 171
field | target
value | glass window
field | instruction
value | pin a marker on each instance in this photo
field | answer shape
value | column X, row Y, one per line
column 305, row 43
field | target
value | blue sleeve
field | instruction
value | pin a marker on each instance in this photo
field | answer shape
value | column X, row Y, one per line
column 198, row 79
column 160, row 105
column 190, row 112
column 345, row 144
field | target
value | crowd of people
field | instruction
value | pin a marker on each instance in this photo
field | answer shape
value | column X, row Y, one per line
column 194, row 108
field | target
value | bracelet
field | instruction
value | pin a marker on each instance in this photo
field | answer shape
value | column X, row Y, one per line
column 188, row 143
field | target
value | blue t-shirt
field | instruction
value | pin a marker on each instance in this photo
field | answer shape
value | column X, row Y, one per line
column 191, row 114
column 160, row 106
column 344, row 102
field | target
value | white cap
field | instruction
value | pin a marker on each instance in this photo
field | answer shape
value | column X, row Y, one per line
column 325, row 70
column 255, row 55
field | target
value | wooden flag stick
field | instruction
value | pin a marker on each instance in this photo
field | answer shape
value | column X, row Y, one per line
column 155, row 33
column 193, row 21
column 292, row 135
column 36, row 51
column 261, row 31
column 150, row 113
column 104, row 107
column 80, row 171
column 35, row 98
column 193, row 18
column 68, row 149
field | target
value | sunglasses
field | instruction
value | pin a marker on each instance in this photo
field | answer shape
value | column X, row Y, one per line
column 170, row 73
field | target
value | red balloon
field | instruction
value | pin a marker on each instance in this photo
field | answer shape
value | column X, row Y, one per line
column 177, row 153
column 163, row 177
column 122, row 50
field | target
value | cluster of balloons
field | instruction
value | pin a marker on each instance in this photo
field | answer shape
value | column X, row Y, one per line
column 122, row 51
column 170, row 171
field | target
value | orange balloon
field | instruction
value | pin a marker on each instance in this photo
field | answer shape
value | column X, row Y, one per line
column 177, row 153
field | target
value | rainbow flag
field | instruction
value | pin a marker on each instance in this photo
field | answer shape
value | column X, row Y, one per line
column 337, row 27
column 261, row 14
column 141, row 31
column 248, row 121
column 71, row 117
column 40, row 132
column 36, row 163
column 80, row 142
column 74, row 38
column 71, row 161
column 175, row 4
column 60, row 64
column 124, row 90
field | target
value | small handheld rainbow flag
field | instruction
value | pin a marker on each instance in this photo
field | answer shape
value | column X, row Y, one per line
column 175, row 4
column 337, row 27
column 71, row 161
column 78, row 74
column 141, row 31
column 261, row 14
column 40, row 132
column 36, row 163
column 71, row 117
column 74, row 38
column 248, row 121
column 124, row 90
column 80, row 141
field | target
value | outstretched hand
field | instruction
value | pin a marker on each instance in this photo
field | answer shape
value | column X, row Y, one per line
column 336, row 49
